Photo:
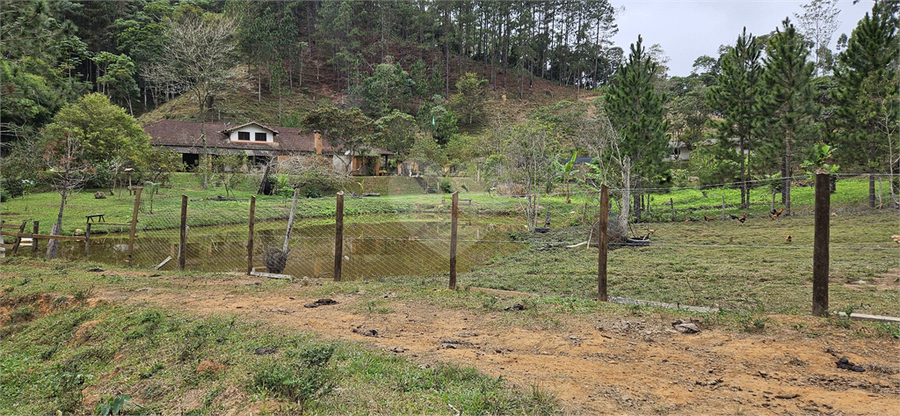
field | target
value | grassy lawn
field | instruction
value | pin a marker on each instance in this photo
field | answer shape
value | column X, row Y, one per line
column 718, row 264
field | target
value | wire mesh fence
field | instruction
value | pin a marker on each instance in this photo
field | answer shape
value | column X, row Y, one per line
column 413, row 243
column 761, row 263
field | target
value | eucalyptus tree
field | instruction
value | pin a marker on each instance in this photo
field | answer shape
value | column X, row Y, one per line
column 867, row 93
column 788, row 79
column 818, row 24
column 735, row 97
column 637, row 112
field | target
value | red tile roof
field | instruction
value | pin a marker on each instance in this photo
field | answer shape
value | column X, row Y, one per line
column 288, row 140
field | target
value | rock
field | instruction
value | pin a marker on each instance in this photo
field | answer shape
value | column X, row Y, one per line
column 787, row 396
column 99, row 195
column 365, row 332
column 686, row 327
column 321, row 302
column 847, row 365
column 265, row 351
column 516, row 307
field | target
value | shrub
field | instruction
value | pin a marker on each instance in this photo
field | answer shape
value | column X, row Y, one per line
column 445, row 186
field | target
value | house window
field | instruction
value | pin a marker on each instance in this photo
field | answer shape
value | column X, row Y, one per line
column 260, row 137
column 244, row 135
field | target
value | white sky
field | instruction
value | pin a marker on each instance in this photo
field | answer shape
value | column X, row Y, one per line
column 687, row 30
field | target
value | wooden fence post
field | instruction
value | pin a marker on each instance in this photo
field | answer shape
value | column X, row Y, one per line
column 454, row 219
column 338, row 235
column 250, row 238
column 34, row 241
column 820, row 246
column 134, row 215
column 602, row 243
column 182, row 246
column 15, row 248
column 87, row 239
column 723, row 207
column 672, row 204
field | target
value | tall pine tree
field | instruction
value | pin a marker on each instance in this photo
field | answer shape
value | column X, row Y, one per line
column 637, row 111
column 867, row 91
column 736, row 99
column 788, row 79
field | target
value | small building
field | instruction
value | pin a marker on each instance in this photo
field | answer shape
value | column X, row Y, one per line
column 680, row 151
column 260, row 143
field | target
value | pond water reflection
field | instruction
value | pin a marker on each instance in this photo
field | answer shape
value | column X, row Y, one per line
column 392, row 248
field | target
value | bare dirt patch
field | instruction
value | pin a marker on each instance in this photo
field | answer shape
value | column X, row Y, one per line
column 593, row 364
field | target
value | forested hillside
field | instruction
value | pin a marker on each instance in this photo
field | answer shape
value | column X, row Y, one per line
column 505, row 88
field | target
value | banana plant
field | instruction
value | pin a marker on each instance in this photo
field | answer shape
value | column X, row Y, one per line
column 565, row 172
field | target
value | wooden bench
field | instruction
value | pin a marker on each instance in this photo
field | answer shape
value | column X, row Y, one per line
column 98, row 217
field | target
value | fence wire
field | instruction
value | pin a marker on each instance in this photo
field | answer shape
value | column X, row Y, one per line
column 686, row 262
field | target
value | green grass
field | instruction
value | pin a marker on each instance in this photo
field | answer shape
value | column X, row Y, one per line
column 717, row 264
column 720, row 263
column 204, row 209
column 155, row 356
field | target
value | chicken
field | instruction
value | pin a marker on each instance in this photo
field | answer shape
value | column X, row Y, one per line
column 647, row 236
column 708, row 218
column 776, row 214
column 788, row 239
column 896, row 238
column 690, row 219
column 741, row 218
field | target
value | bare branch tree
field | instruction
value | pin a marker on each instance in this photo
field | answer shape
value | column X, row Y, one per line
column 67, row 172
column 199, row 58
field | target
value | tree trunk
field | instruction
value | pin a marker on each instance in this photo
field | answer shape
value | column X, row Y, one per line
column 205, row 161
column 53, row 245
column 786, row 176
column 871, row 187
column 626, row 193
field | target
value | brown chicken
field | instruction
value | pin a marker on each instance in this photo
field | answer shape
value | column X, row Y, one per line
column 741, row 218
column 690, row 219
column 708, row 218
column 777, row 213
column 788, row 239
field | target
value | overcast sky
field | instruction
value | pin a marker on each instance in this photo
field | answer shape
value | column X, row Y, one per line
column 687, row 30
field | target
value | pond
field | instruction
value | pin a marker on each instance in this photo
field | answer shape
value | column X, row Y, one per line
column 412, row 247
